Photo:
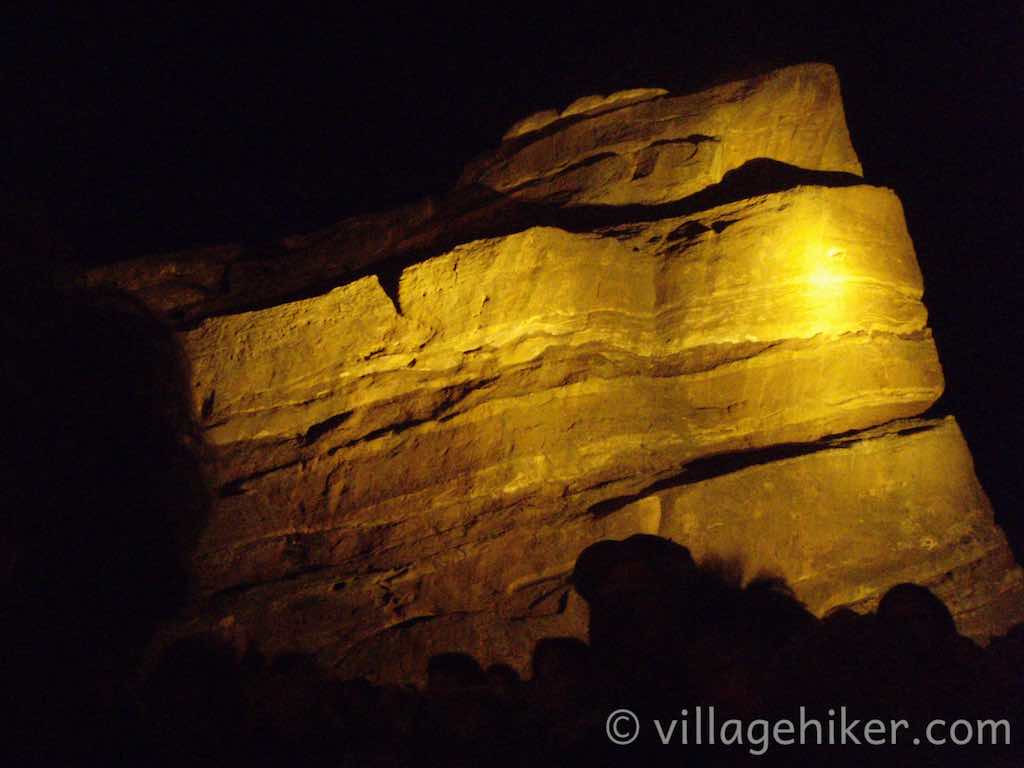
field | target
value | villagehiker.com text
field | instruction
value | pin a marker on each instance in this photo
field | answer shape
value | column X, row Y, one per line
column 700, row 726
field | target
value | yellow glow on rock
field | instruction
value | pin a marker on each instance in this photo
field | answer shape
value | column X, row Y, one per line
column 831, row 298
column 825, row 280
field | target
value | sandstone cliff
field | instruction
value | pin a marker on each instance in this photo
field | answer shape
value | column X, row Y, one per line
column 682, row 315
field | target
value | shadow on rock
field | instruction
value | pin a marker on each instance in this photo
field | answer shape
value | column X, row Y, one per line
column 105, row 499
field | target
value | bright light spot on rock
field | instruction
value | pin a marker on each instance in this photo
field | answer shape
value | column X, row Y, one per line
column 826, row 279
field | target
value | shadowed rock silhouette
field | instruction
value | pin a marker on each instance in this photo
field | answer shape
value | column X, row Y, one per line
column 105, row 501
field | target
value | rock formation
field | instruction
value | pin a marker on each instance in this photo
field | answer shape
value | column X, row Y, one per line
column 683, row 315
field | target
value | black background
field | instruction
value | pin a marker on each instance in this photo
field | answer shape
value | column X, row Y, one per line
column 130, row 132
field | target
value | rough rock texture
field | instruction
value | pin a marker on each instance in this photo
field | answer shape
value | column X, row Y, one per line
column 647, row 313
column 648, row 147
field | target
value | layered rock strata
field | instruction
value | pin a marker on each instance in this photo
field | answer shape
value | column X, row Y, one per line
column 681, row 315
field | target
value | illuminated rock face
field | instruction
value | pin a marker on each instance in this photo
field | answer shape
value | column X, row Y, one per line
column 410, row 462
column 645, row 146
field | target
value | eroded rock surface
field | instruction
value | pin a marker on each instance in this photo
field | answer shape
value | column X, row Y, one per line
column 647, row 147
column 679, row 315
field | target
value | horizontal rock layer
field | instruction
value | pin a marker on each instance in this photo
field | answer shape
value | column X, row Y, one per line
column 841, row 520
column 795, row 265
column 646, row 147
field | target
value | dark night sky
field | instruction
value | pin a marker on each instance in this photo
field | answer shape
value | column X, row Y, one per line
column 134, row 132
